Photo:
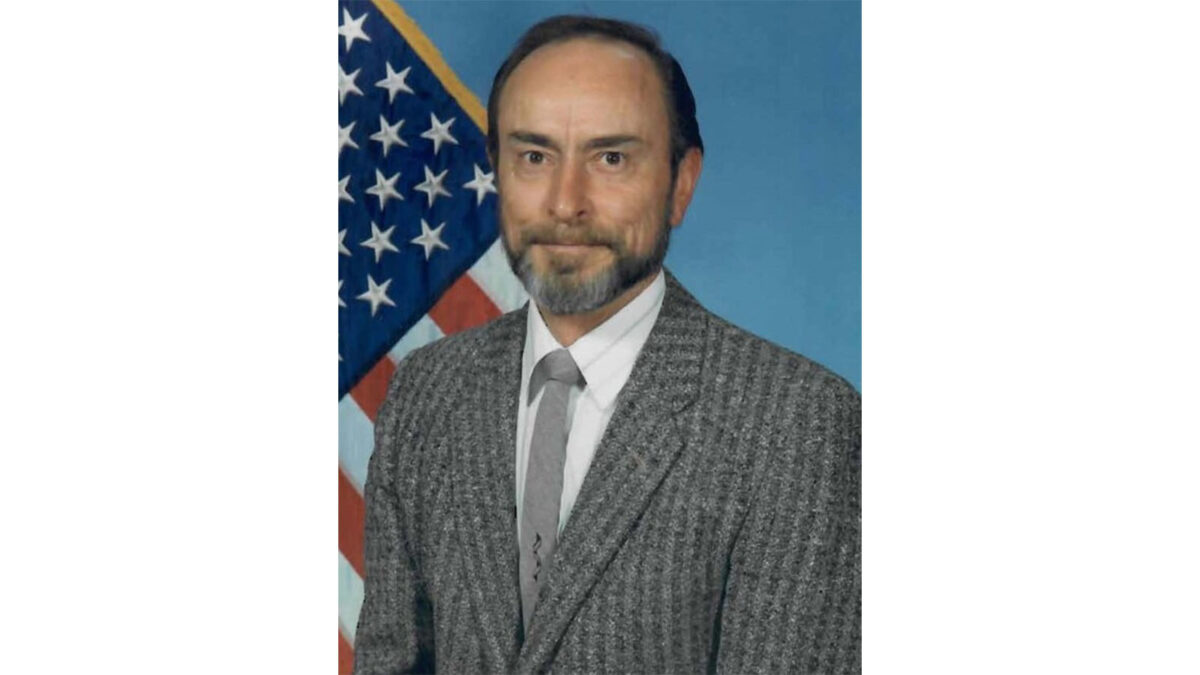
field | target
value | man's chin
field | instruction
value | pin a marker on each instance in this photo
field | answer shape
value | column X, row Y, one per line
column 570, row 290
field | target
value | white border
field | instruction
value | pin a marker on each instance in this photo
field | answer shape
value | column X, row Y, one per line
column 1030, row 342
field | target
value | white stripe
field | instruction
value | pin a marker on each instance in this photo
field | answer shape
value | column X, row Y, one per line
column 422, row 333
column 356, row 437
column 493, row 274
column 350, row 597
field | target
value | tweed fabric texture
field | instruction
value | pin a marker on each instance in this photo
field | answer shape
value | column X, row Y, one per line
column 717, row 530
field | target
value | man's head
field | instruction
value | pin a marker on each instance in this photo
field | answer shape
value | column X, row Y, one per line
column 593, row 134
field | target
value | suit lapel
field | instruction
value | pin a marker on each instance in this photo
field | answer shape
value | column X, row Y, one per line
column 484, row 494
column 637, row 451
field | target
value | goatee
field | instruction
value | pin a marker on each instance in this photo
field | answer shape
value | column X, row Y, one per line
column 559, row 289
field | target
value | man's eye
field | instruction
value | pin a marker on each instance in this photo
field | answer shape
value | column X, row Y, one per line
column 534, row 157
column 613, row 158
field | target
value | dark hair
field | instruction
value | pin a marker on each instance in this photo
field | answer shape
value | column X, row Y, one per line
column 681, row 105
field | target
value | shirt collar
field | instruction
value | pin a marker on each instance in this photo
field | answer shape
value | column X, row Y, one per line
column 606, row 354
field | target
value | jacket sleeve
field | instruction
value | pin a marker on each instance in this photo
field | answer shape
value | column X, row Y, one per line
column 793, row 593
column 395, row 625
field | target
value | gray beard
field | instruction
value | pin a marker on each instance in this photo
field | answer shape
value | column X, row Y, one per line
column 558, row 293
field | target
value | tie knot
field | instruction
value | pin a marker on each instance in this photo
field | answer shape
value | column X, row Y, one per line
column 557, row 366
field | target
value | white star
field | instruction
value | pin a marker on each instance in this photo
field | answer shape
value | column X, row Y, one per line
column 384, row 188
column 343, row 192
column 342, row 243
column 380, row 241
column 432, row 187
column 352, row 29
column 394, row 82
column 344, row 137
column 439, row 132
column 341, row 302
column 482, row 184
column 376, row 294
column 346, row 84
column 430, row 239
column 389, row 135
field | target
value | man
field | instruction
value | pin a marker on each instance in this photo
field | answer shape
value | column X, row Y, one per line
column 612, row 478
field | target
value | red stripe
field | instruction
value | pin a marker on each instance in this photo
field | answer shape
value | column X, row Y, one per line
column 371, row 390
column 345, row 656
column 351, row 514
column 464, row 305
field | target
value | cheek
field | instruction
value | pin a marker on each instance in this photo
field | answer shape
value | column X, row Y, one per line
column 635, row 213
column 514, row 206
column 520, row 200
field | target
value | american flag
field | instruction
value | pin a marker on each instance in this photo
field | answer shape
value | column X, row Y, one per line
column 418, row 255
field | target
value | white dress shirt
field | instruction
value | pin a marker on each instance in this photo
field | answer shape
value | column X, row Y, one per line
column 605, row 356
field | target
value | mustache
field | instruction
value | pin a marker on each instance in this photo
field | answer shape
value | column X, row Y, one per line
column 566, row 235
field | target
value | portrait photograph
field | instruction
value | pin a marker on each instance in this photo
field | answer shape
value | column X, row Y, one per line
column 641, row 227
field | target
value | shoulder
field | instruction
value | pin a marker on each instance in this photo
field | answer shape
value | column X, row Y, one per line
column 783, row 416
column 740, row 373
column 466, row 349
column 430, row 381
column 451, row 363
column 733, row 351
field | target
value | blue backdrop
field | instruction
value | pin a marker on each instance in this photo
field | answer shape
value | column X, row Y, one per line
column 772, row 240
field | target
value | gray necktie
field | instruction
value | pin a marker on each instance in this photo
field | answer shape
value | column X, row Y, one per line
column 543, row 477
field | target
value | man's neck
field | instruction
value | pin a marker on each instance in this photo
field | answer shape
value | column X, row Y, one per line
column 567, row 328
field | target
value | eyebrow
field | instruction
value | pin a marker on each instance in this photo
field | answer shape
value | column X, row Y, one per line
column 541, row 140
column 611, row 142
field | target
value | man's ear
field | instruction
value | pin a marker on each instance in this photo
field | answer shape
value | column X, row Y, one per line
column 685, row 184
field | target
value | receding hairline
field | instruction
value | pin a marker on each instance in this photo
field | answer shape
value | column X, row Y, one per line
column 633, row 49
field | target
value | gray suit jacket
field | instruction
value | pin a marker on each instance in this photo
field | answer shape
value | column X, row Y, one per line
column 716, row 530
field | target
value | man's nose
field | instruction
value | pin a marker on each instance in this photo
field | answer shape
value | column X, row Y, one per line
column 569, row 201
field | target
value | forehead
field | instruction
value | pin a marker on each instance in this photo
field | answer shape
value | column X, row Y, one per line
column 585, row 82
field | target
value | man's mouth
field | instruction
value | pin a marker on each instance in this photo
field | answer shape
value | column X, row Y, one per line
column 567, row 247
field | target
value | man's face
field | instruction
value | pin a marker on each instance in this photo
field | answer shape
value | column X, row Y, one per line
column 584, row 173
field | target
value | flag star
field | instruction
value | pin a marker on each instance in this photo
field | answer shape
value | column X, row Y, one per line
column 394, row 82
column 352, row 29
column 430, row 239
column 342, row 243
column 432, row 187
column 346, row 84
column 376, row 294
column 380, row 241
column 341, row 302
column 482, row 184
column 343, row 192
column 344, row 137
column 389, row 135
column 439, row 132
column 384, row 188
